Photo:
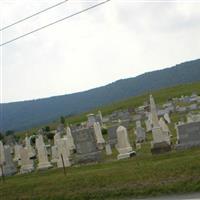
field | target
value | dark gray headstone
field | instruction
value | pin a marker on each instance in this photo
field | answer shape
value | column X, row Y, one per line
column 189, row 135
column 140, row 134
column 86, row 147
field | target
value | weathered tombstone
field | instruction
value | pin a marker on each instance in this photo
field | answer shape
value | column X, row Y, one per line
column 70, row 139
column 112, row 135
column 17, row 153
column 91, row 120
column 108, row 149
column 63, row 153
column 31, row 151
column 43, row 162
column 188, row 135
column 193, row 118
column 123, row 145
column 148, row 125
column 139, row 132
column 167, row 118
column 56, row 137
column 6, row 161
column 26, row 162
column 54, row 154
column 165, row 129
column 86, row 147
column 160, row 143
column 98, row 134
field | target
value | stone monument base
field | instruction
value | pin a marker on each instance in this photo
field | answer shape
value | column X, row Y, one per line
column 126, row 155
column 161, row 147
column 42, row 166
column 88, row 158
column 26, row 169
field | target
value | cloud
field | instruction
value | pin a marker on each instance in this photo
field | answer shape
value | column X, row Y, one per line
column 117, row 40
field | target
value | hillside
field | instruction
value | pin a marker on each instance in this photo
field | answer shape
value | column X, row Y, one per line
column 26, row 114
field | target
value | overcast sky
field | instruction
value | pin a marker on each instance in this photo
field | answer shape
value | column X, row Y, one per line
column 120, row 39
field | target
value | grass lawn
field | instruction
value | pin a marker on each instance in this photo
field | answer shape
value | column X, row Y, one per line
column 144, row 175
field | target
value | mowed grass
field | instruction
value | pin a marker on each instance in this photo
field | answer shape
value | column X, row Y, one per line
column 144, row 175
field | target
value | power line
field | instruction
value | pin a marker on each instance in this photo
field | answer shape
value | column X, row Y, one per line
column 67, row 17
column 33, row 15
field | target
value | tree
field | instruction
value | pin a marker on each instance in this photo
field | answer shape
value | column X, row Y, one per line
column 9, row 132
column 1, row 136
column 47, row 129
column 50, row 135
column 62, row 120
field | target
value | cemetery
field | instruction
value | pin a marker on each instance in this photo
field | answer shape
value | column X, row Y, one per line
column 125, row 136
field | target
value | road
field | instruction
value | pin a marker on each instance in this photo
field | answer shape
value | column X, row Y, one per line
column 194, row 196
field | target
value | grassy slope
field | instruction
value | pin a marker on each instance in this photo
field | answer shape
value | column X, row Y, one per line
column 140, row 176
column 160, row 97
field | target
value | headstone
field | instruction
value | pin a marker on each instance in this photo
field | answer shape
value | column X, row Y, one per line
column 86, row 147
column 160, row 143
column 6, row 161
column 63, row 153
column 165, row 129
column 43, row 162
column 193, row 118
column 108, row 149
column 188, row 135
column 31, row 151
column 26, row 162
column 140, row 134
column 98, row 134
column 112, row 135
column 123, row 145
column 70, row 139
column 54, row 154
column 148, row 125
column 167, row 118
column 91, row 120
column 56, row 137
column 17, row 153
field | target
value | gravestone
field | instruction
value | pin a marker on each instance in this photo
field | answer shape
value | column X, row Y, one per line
column 17, row 153
column 188, row 135
column 6, row 161
column 108, row 150
column 167, row 118
column 43, row 162
column 91, row 120
column 54, row 154
column 26, row 162
column 86, row 147
column 31, row 151
column 63, row 153
column 112, row 135
column 123, row 145
column 98, row 134
column 112, row 132
column 165, row 129
column 70, row 139
column 160, row 142
column 56, row 137
column 139, row 132
column 148, row 125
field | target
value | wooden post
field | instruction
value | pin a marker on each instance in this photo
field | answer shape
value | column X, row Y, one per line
column 63, row 164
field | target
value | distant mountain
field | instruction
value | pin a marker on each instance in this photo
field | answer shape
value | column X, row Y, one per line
column 26, row 114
